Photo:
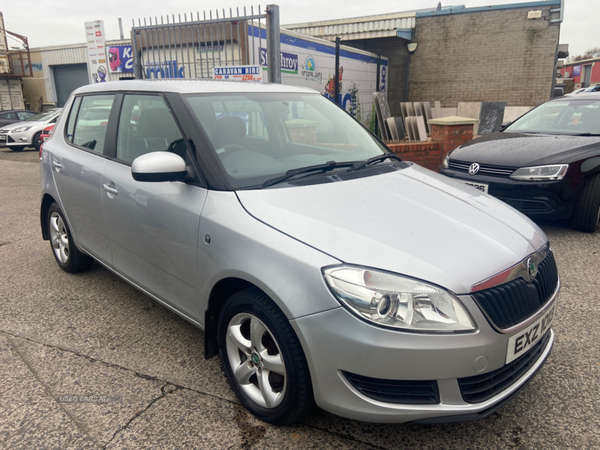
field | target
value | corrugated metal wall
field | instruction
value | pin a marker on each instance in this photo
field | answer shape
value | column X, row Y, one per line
column 43, row 59
column 359, row 28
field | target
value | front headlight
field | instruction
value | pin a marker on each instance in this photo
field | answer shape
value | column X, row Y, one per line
column 20, row 129
column 541, row 173
column 397, row 302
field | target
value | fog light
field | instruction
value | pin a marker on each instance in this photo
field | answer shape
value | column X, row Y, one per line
column 23, row 139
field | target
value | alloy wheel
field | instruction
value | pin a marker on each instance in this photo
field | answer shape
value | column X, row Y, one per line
column 59, row 237
column 256, row 360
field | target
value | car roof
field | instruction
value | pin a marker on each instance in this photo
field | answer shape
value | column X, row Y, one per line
column 191, row 87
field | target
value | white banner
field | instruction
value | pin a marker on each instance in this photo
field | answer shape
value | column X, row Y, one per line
column 96, row 51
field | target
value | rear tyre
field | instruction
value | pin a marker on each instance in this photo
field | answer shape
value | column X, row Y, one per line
column 263, row 358
column 586, row 215
column 36, row 141
column 66, row 253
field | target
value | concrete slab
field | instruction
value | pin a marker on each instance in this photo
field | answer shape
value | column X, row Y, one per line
column 421, row 128
column 392, row 127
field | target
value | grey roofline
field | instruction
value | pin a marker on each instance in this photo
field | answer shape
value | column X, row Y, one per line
column 191, row 87
column 463, row 10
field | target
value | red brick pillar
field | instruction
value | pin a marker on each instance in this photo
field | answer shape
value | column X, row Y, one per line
column 451, row 132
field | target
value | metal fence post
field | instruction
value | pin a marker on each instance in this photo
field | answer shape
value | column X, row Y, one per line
column 273, row 44
column 137, row 60
column 336, row 76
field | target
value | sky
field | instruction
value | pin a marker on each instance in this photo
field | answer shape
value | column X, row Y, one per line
column 60, row 22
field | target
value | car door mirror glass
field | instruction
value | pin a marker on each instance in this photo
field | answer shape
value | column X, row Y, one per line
column 158, row 166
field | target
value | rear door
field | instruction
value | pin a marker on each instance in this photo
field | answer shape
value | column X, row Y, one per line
column 77, row 162
column 153, row 226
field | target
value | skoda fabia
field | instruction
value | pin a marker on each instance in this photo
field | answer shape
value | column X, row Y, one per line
column 322, row 268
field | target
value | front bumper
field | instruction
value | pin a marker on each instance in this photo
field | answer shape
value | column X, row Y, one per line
column 536, row 199
column 15, row 139
column 336, row 342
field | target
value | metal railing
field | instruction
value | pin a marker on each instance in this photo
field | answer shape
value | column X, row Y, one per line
column 176, row 47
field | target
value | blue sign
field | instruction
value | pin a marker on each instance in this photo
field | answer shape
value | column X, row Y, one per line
column 576, row 71
column 164, row 69
column 289, row 61
column 120, row 58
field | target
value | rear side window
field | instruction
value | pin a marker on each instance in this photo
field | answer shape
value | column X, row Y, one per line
column 9, row 116
column 92, row 121
column 146, row 125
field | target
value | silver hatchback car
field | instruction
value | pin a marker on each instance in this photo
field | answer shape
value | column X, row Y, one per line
column 322, row 268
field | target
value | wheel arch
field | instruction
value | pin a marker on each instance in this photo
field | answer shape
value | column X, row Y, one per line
column 219, row 294
column 47, row 200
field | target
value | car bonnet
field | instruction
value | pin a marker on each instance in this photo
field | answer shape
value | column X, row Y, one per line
column 413, row 222
column 520, row 150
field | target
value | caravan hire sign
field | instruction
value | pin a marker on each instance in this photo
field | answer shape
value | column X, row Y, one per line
column 238, row 73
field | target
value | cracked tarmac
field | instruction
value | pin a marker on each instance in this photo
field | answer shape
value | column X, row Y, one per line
column 63, row 336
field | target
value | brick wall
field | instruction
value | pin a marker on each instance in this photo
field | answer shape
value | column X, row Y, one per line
column 444, row 139
column 489, row 56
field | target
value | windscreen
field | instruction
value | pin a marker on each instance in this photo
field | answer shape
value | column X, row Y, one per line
column 259, row 136
column 574, row 117
column 43, row 115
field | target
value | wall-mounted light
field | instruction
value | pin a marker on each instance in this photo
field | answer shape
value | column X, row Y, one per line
column 412, row 47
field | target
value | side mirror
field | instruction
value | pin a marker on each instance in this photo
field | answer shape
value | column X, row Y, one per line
column 158, row 166
column 505, row 125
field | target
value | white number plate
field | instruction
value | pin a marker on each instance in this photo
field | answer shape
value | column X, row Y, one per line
column 2, row 137
column 479, row 186
column 520, row 343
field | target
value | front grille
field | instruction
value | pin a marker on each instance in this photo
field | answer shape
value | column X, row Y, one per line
column 499, row 171
column 412, row 392
column 480, row 388
column 511, row 303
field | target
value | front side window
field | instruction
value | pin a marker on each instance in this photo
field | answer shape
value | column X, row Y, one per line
column 92, row 121
column 258, row 136
column 146, row 125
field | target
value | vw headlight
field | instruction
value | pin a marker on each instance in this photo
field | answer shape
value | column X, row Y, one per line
column 541, row 173
column 20, row 129
column 397, row 302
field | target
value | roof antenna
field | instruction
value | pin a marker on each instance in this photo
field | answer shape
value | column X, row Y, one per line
column 439, row 6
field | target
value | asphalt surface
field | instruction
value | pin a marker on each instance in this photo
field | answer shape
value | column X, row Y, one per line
column 73, row 337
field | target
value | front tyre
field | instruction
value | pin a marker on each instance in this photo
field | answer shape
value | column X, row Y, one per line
column 586, row 215
column 37, row 142
column 66, row 253
column 263, row 358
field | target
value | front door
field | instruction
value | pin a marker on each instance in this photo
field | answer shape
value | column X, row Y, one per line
column 153, row 226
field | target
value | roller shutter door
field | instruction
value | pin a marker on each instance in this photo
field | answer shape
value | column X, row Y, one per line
column 67, row 78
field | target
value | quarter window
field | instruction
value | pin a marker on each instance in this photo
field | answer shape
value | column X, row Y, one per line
column 146, row 125
column 91, row 123
column 73, row 118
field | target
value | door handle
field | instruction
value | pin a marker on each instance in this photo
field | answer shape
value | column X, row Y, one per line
column 57, row 165
column 109, row 189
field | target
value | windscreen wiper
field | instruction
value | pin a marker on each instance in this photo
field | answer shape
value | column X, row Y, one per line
column 373, row 160
column 329, row 165
column 586, row 134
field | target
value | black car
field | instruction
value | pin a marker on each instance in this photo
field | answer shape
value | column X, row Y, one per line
column 12, row 116
column 546, row 164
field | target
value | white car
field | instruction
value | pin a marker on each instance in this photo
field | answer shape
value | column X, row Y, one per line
column 26, row 133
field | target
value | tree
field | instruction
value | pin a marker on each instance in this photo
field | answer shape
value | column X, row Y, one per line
column 588, row 54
